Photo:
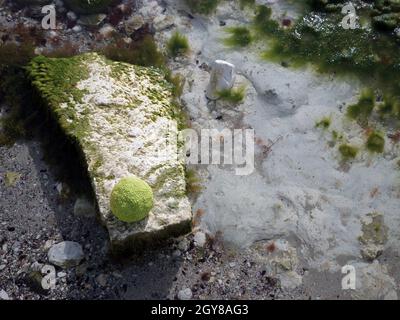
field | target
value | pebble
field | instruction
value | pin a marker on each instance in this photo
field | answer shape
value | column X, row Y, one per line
column 183, row 245
column 4, row 295
column 77, row 29
column 102, row 280
column 199, row 239
column 185, row 294
column 66, row 254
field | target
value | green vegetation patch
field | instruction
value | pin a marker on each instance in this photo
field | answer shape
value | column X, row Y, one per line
column 178, row 45
column 348, row 152
column 375, row 142
column 233, row 95
column 319, row 38
column 55, row 79
column 324, row 123
column 247, row 3
column 239, row 37
column 364, row 107
column 143, row 52
column 205, row 7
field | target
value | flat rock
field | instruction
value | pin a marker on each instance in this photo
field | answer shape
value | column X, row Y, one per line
column 121, row 117
column 66, row 254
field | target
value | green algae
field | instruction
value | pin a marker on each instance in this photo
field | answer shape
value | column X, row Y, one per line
column 234, row 95
column 324, row 123
column 375, row 142
column 56, row 79
column 348, row 152
column 178, row 45
column 239, row 37
column 320, row 39
column 205, row 7
column 364, row 107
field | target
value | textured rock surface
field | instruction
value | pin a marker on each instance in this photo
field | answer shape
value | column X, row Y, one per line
column 119, row 115
column 66, row 254
column 374, row 235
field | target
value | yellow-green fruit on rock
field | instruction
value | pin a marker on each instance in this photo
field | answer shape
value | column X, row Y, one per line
column 131, row 199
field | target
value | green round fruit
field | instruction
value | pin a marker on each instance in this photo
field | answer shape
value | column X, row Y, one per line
column 131, row 199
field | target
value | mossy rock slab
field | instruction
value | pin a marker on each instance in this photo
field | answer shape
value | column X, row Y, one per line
column 120, row 116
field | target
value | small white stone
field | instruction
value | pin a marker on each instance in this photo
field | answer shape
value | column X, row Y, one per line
column 222, row 78
column 77, row 29
column 4, row 295
column 66, row 254
column 185, row 294
column 183, row 245
column 200, row 239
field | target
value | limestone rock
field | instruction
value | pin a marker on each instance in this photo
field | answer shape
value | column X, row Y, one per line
column 101, row 105
column 66, row 254
column 222, row 78
column 374, row 236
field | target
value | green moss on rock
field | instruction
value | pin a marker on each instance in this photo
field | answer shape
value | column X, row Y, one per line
column 131, row 199
column 239, row 37
column 324, row 123
column 178, row 45
column 203, row 6
column 56, row 81
column 348, row 151
column 375, row 142
column 364, row 107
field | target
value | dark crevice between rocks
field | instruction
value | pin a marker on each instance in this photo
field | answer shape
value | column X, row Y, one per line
column 28, row 118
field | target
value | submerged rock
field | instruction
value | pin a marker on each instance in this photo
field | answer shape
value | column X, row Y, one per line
column 222, row 78
column 98, row 104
